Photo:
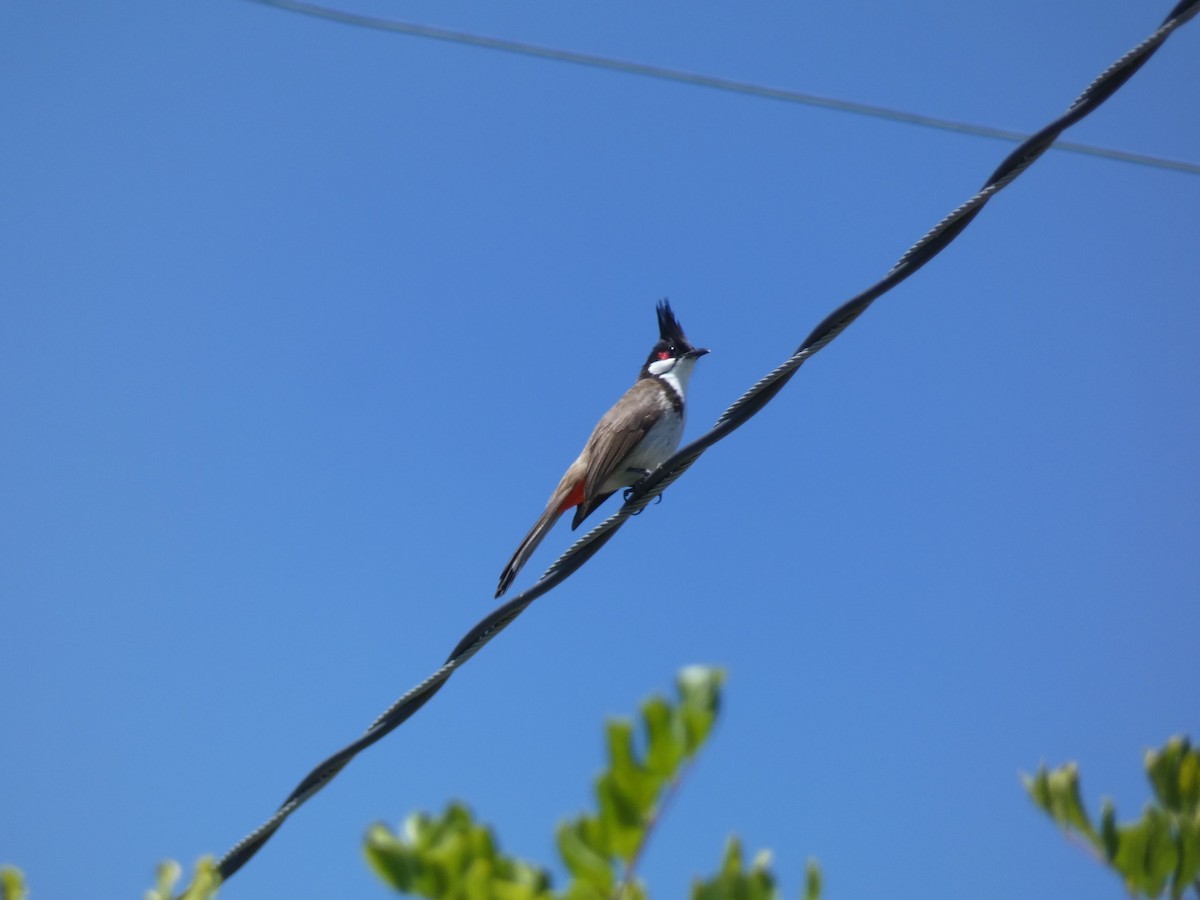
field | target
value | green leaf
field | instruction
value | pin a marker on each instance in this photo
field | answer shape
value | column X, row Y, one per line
column 1128, row 860
column 637, row 785
column 451, row 857
column 628, row 792
column 812, row 881
column 1109, row 835
column 477, row 880
column 12, row 884
column 585, row 855
column 619, row 738
column 1188, row 870
column 1132, row 857
column 1057, row 792
column 204, row 884
column 582, row 890
column 205, row 881
column 166, row 874
column 1038, row 788
column 1159, row 852
column 735, row 882
column 621, row 816
column 664, row 738
column 700, row 696
column 392, row 859
column 1174, row 772
column 1064, row 793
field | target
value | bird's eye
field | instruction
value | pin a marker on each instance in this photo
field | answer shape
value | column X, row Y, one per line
column 663, row 354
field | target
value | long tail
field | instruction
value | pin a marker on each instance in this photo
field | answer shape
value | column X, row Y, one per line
column 527, row 546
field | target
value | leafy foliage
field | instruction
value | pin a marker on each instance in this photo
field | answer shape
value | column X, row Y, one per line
column 205, row 881
column 632, row 790
column 455, row 858
column 1158, row 852
column 735, row 880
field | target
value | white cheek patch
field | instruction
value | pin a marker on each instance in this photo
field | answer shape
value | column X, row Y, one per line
column 661, row 366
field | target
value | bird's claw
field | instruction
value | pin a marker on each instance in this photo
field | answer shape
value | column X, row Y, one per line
column 628, row 495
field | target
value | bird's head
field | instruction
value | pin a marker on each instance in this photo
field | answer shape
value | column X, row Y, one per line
column 674, row 352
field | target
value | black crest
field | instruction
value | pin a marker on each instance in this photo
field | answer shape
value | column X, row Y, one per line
column 669, row 329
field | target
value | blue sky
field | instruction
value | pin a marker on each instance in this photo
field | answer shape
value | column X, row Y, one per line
column 303, row 322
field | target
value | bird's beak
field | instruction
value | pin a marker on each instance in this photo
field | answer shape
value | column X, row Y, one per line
column 695, row 353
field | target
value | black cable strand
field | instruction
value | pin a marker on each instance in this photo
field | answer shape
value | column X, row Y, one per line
column 710, row 82
column 733, row 418
column 490, row 626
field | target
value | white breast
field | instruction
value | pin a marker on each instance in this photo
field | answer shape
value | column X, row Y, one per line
column 660, row 442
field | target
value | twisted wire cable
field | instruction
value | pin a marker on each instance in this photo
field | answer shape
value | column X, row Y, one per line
column 745, row 407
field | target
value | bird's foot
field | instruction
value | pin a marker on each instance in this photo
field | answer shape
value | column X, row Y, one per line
column 628, row 493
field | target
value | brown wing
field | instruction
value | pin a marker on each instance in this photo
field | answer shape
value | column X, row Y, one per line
column 615, row 435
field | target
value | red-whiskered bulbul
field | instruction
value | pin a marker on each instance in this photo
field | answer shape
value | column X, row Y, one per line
column 631, row 440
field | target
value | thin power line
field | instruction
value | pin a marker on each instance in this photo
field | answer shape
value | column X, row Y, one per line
column 713, row 82
column 650, row 487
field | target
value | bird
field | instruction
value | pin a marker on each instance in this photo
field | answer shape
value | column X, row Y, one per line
column 632, row 439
